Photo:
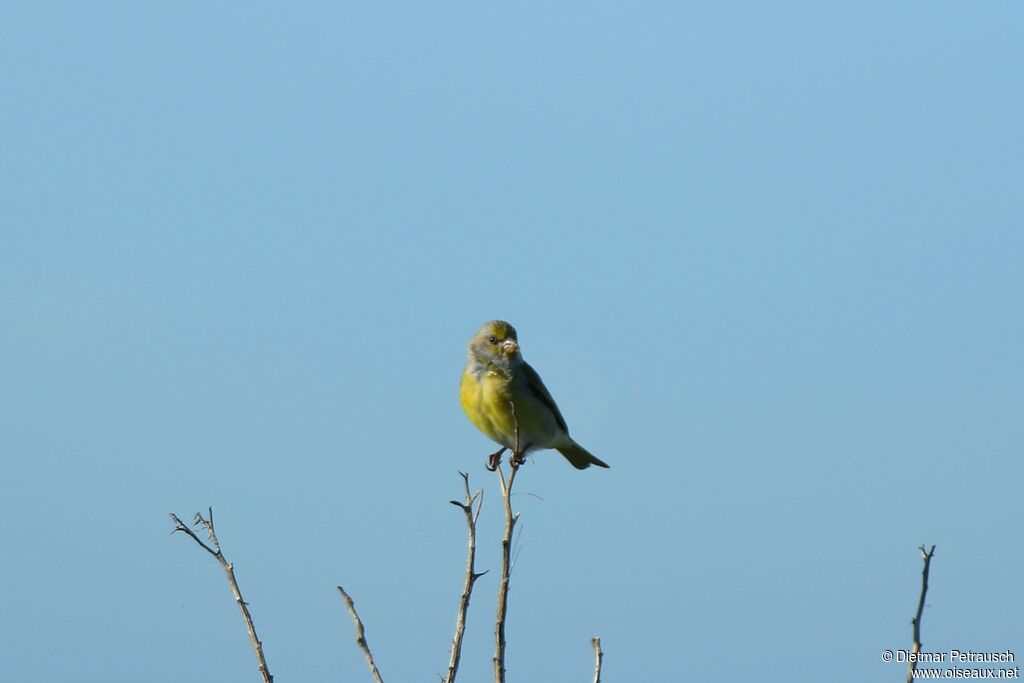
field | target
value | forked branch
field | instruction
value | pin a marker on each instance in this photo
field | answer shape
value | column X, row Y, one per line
column 213, row 547
column 926, row 556
column 472, row 513
column 506, row 569
column 515, row 460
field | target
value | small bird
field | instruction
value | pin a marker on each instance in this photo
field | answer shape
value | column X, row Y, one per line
column 500, row 392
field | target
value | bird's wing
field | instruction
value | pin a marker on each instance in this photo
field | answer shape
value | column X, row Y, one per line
column 541, row 393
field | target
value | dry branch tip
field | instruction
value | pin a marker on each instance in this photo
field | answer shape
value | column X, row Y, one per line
column 598, row 657
column 471, row 575
column 360, row 635
column 229, row 571
column 926, row 557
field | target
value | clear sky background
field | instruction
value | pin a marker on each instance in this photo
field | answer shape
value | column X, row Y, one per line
column 767, row 257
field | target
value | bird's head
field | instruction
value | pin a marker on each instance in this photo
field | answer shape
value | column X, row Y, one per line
column 495, row 346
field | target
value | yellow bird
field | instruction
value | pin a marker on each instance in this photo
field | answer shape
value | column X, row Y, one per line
column 500, row 391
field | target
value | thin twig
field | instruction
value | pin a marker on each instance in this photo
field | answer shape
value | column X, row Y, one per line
column 361, row 635
column 926, row 556
column 598, row 656
column 471, row 575
column 214, row 549
column 506, row 550
column 506, row 568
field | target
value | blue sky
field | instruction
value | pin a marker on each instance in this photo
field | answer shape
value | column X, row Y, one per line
column 766, row 257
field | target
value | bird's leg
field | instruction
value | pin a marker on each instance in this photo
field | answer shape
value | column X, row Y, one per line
column 494, row 459
column 519, row 457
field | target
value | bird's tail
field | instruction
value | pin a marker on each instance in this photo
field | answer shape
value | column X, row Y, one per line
column 580, row 457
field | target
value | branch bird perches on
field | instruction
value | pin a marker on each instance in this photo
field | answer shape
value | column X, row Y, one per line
column 515, row 460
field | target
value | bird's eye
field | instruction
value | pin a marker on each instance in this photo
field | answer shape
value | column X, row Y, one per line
column 492, row 340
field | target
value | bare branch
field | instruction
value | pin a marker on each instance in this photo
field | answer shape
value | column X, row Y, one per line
column 361, row 635
column 471, row 575
column 181, row 526
column 514, row 461
column 926, row 556
column 506, row 568
column 229, row 569
column 598, row 656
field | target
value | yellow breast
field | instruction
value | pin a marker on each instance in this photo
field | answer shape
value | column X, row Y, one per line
column 487, row 404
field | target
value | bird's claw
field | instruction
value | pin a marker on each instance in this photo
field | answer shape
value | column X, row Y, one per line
column 517, row 459
column 494, row 459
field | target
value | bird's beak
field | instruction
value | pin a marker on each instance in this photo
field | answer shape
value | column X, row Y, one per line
column 509, row 347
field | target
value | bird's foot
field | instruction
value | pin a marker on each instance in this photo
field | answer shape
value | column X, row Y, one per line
column 494, row 459
column 517, row 459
